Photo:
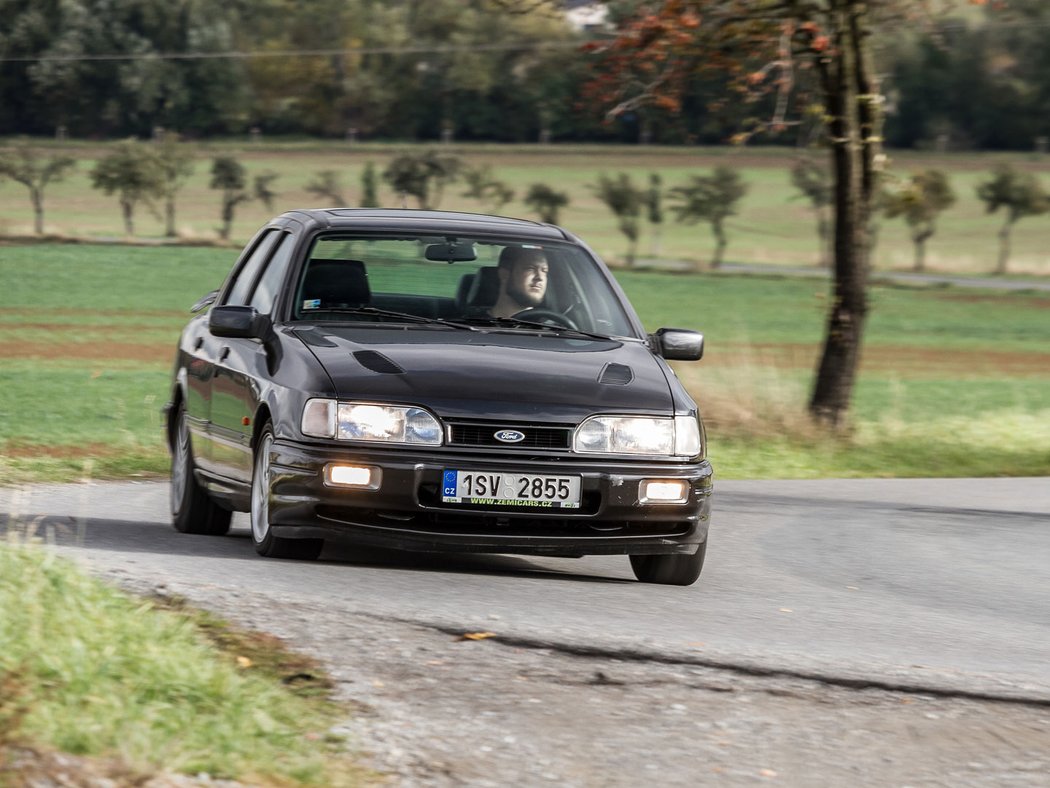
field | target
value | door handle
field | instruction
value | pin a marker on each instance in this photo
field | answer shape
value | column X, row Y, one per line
column 224, row 353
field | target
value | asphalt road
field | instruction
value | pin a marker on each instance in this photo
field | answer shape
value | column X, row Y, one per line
column 938, row 585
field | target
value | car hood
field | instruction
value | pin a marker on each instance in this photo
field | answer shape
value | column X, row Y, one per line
column 492, row 374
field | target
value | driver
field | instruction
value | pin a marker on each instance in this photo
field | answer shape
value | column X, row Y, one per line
column 523, row 280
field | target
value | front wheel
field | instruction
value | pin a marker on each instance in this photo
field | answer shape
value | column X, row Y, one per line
column 262, row 534
column 192, row 511
column 671, row 570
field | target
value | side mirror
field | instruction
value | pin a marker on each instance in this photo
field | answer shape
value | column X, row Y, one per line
column 679, row 344
column 238, row 321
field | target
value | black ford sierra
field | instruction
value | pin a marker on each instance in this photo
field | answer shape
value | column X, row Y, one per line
column 436, row 381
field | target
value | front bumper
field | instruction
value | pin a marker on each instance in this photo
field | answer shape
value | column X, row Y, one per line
column 406, row 512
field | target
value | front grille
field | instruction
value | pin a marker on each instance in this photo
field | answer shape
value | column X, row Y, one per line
column 536, row 437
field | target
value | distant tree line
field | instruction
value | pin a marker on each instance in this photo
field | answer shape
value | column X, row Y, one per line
column 152, row 175
column 413, row 70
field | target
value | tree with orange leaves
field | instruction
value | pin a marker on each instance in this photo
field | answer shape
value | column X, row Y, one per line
column 766, row 49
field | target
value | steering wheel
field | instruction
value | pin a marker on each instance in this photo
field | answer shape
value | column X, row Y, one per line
column 546, row 316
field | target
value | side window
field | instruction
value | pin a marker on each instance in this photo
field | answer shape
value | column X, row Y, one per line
column 266, row 291
column 242, row 285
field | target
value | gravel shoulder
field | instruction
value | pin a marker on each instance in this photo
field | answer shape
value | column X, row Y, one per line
column 432, row 708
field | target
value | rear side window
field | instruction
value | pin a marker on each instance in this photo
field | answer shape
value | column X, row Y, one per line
column 242, row 284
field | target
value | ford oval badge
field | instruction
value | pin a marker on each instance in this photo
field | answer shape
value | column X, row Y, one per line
column 509, row 436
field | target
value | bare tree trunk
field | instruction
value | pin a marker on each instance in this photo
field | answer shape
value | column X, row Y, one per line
column 720, row 243
column 1004, row 246
column 920, row 239
column 36, row 195
column 169, row 217
column 824, row 233
column 127, row 209
column 850, row 95
column 227, row 217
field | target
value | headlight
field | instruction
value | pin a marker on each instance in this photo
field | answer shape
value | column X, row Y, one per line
column 679, row 436
column 359, row 421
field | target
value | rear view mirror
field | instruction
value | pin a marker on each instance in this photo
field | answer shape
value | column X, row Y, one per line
column 679, row 344
column 451, row 252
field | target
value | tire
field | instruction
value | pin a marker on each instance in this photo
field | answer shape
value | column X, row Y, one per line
column 671, row 570
column 266, row 544
column 192, row 511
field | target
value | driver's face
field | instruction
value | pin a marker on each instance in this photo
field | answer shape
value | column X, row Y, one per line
column 527, row 282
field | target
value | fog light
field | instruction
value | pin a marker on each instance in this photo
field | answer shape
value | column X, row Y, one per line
column 663, row 491
column 359, row 476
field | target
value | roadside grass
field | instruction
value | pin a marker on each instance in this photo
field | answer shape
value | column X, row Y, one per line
column 952, row 383
column 152, row 686
column 773, row 226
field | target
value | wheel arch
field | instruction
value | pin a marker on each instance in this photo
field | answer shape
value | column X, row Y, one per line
column 178, row 396
column 263, row 416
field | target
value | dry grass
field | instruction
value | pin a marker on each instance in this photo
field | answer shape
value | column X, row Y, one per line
column 750, row 396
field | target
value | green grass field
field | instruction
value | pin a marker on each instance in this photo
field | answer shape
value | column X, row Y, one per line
column 141, row 687
column 773, row 225
column 953, row 383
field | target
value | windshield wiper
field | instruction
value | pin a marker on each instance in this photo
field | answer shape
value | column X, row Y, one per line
column 373, row 311
column 517, row 322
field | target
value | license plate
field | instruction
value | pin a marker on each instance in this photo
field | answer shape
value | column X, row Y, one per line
column 495, row 488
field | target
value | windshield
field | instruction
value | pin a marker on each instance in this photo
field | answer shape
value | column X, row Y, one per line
column 503, row 284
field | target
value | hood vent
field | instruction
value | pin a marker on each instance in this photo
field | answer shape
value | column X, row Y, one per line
column 377, row 362
column 616, row 374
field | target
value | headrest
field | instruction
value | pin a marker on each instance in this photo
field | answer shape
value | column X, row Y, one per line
column 336, row 283
column 463, row 291
column 484, row 290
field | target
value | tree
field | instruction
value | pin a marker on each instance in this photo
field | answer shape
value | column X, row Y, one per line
column 229, row 176
column 768, row 51
column 920, row 200
column 175, row 160
column 422, row 176
column 105, row 67
column 28, row 166
column 710, row 198
column 1019, row 195
column 485, row 187
column 654, row 210
column 626, row 201
column 262, row 190
column 981, row 83
column 546, row 202
column 327, row 185
column 813, row 183
column 133, row 172
column 369, row 196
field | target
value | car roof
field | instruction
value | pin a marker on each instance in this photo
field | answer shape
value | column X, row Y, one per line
column 438, row 222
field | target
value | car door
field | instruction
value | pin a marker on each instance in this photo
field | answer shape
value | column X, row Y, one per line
column 241, row 366
column 194, row 358
column 210, row 353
